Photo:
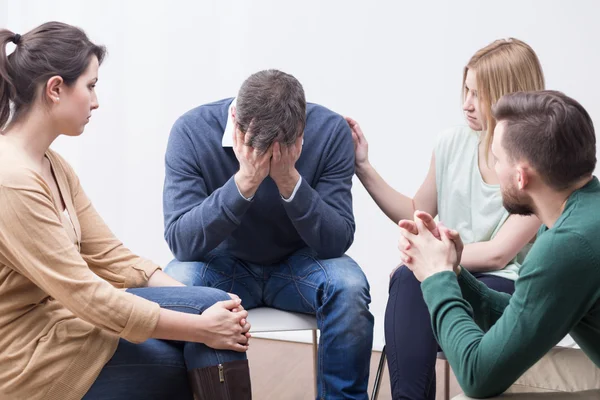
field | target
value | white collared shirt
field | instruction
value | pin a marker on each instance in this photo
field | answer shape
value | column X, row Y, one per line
column 227, row 141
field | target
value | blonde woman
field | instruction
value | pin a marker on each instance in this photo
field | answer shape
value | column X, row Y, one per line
column 462, row 189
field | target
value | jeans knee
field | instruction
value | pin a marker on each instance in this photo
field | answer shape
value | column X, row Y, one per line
column 216, row 294
column 351, row 296
column 188, row 273
column 350, row 284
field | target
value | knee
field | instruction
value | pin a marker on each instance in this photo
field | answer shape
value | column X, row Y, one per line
column 404, row 279
column 188, row 273
column 401, row 272
column 199, row 297
column 348, row 282
column 215, row 295
column 348, row 292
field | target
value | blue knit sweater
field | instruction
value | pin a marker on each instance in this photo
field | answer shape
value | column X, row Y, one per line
column 205, row 214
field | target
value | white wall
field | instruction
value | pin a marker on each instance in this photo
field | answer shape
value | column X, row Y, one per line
column 3, row 13
column 394, row 66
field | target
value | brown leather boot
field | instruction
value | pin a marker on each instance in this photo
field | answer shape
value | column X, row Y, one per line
column 227, row 381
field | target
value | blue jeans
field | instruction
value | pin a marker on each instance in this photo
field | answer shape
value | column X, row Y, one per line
column 335, row 290
column 157, row 369
column 410, row 346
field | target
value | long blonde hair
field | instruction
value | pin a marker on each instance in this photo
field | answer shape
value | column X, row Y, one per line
column 502, row 67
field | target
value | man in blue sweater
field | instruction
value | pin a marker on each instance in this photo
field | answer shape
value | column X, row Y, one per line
column 257, row 202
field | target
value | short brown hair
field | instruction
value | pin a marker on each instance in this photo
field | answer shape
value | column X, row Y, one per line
column 271, row 104
column 53, row 48
column 551, row 131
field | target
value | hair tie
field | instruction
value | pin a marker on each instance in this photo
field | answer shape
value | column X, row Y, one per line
column 16, row 39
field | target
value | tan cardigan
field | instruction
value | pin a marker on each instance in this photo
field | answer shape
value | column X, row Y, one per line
column 59, row 322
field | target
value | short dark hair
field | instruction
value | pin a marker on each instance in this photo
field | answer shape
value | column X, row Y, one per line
column 271, row 105
column 551, row 131
column 53, row 48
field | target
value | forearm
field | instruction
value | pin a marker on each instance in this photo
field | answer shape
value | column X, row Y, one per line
column 106, row 255
column 193, row 231
column 539, row 314
column 474, row 362
column 247, row 185
column 287, row 185
column 174, row 325
column 481, row 257
column 394, row 204
column 487, row 304
column 159, row 278
column 495, row 254
column 326, row 229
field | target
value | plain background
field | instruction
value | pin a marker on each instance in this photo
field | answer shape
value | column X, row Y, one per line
column 394, row 66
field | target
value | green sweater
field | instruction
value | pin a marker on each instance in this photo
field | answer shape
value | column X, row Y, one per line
column 491, row 338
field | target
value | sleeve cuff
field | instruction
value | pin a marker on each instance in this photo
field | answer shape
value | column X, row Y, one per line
column 303, row 201
column 241, row 195
column 294, row 192
column 439, row 287
column 142, row 319
column 232, row 200
column 143, row 271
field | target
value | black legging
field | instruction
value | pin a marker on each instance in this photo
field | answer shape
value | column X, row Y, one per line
column 411, row 348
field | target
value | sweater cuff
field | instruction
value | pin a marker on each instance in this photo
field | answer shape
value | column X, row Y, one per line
column 439, row 288
column 240, row 192
column 233, row 201
column 294, row 192
column 142, row 319
column 303, row 201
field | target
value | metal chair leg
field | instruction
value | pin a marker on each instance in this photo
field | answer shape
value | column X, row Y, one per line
column 377, row 383
column 315, row 357
column 446, row 368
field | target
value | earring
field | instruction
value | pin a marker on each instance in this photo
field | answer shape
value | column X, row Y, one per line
column 57, row 99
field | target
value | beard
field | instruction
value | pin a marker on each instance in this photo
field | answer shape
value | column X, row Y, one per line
column 516, row 203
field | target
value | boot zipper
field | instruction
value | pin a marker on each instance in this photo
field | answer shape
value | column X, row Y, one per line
column 221, row 374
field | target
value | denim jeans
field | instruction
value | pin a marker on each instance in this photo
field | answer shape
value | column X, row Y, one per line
column 411, row 347
column 157, row 369
column 335, row 290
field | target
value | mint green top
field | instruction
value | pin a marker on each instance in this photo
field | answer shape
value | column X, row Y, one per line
column 465, row 202
column 491, row 338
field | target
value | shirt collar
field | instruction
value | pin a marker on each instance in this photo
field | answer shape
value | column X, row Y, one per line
column 227, row 140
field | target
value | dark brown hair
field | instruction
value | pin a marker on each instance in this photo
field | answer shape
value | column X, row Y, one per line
column 51, row 49
column 271, row 106
column 550, row 130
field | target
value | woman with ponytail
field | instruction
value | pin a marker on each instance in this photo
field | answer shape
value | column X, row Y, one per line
column 80, row 315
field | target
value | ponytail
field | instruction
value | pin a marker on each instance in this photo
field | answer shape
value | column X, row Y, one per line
column 7, row 87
